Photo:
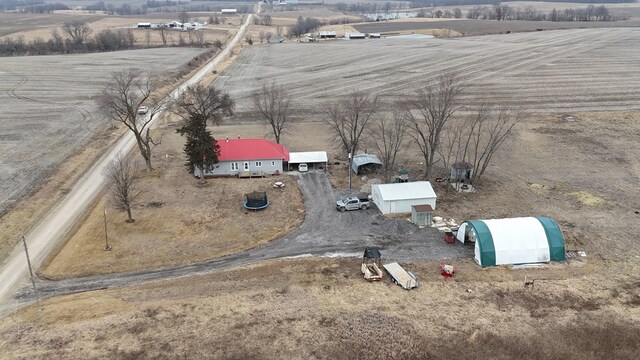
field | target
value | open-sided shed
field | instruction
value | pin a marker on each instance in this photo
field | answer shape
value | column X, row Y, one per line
column 524, row 240
column 315, row 159
column 398, row 198
column 365, row 163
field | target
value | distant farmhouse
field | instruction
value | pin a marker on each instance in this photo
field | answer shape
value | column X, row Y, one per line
column 248, row 158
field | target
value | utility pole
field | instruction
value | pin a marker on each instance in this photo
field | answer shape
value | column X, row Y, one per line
column 349, row 170
column 106, row 237
column 33, row 281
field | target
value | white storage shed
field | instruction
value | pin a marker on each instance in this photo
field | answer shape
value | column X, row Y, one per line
column 398, row 198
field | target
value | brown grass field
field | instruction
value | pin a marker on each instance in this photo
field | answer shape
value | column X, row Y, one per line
column 582, row 173
column 323, row 309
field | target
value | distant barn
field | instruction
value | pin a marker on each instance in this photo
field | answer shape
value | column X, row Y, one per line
column 327, row 34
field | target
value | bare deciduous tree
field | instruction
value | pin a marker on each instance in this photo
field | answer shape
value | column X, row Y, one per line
column 476, row 138
column 208, row 104
column 184, row 17
column 163, row 35
column 349, row 118
column 429, row 110
column 387, row 138
column 77, row 30
column 123, row 175
column 272, row 103
column 147, row 38
column 200, row 37
column 120, row 100
column 487, row 134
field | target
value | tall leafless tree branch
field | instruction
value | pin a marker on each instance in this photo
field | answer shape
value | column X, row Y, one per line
column 272, row 102
column 77, row 30
column 476, row 138
column 429, row 110
column 349, row 118
column 120, row 99
column 123, row 175
column 387, row 138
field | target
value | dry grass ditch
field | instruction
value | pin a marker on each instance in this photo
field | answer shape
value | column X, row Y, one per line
column 323, row 309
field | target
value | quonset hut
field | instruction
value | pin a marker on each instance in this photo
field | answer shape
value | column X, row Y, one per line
column 524, row 240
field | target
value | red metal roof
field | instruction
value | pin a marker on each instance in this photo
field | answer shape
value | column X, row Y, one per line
column 251, row 149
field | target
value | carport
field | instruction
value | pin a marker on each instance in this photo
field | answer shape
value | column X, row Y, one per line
column 315, row 159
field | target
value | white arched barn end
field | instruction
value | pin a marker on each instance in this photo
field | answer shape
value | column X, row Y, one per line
column 523, row 240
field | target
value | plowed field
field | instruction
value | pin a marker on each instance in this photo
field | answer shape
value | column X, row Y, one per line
column 540, row 72
column 48, row 108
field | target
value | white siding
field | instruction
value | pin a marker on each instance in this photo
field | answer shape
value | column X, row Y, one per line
column 224, row 168
column 391, row 202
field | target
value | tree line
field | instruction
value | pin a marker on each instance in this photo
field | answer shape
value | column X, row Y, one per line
column 505, row 12
column 435, row 3
column 78, row 37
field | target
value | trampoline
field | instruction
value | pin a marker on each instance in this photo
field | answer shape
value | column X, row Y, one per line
column 256, row 200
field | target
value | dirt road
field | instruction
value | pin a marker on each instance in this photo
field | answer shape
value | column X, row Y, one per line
column 52, row 228
column 325, row 232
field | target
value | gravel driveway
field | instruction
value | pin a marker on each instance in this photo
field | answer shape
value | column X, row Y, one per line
column 325, row 231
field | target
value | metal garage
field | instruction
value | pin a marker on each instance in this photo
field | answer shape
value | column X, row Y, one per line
column 398, row 198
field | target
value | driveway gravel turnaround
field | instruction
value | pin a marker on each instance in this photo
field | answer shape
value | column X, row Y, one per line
column 324, row 232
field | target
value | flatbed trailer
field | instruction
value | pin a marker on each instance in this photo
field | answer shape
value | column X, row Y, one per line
column 400, row 276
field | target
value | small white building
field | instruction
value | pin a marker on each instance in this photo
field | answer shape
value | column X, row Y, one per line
column 398, row 198
column 229, row 11
column 354, row 36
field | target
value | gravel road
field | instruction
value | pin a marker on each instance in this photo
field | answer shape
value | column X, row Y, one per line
column 325, row 232
column 48, row 233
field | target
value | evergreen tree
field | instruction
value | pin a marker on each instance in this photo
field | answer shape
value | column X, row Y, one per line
column 200, row 148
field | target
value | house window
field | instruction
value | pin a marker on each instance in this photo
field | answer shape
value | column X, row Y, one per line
column 273, row 163
column 234, row 166
column 246, row 166
column 258, row 163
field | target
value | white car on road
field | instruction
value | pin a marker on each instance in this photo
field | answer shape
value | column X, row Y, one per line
column 143, row 110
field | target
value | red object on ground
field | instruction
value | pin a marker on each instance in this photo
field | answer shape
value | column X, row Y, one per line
column 447, row 270
column 449, row 237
